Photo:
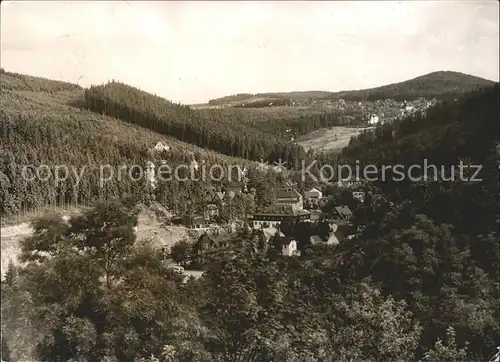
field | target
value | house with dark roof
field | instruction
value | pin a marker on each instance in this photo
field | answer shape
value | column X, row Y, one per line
column 359, row 195
column 288, row 196
column 193, row 221
column 315, row 240
column 344, row 213
column 211, row 212
column 289, row 248
column 276, row 213
column 313, row 194
column 286, row 245
column 334, row 237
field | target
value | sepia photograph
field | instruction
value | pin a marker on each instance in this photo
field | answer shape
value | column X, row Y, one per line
column 250, row 181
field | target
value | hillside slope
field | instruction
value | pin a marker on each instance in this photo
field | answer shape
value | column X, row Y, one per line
column 440, row 85
column 466, row 131
column 40, row 127
column 214, row 131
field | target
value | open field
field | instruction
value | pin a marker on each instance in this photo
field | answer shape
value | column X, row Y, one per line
column 332, row 139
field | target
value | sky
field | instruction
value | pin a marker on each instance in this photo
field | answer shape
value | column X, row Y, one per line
column 191, row 52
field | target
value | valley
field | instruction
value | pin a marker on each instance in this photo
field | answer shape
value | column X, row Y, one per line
column 193, row 251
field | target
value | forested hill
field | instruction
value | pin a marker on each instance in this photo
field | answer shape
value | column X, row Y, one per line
column 439, row 85
column 40, row 125
column 279, row 95
column 418, row 281
column 213, row 130
column 24, row 82
column 466, row 130
column 467, row 127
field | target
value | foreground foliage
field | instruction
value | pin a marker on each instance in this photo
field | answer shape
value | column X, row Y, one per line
column 90, row 291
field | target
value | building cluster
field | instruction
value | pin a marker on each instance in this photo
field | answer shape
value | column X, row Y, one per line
column 289, row 205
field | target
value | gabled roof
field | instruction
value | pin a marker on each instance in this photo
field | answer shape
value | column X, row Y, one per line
column 285, row 240
column 192, row 218
column 315, row 190
column 343, row 210
column 160, row 146
column 282, row 210
column 315, row 239
column 333, row 239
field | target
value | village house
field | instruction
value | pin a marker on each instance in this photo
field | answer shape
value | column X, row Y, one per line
column 335, row 236
column 374, row 119
column 316, row 215
column 206, row 244
column 288, row 196
column 333, row 239
column 275, row 214
column 211, row 212
column 289, row 247
column 193, row 221
column 344, row 213
column 315, row 240
column 234, row 188
column 160, row 147
column 359, row 195
column 350, row 182
column 194, row 165
column 313, row 194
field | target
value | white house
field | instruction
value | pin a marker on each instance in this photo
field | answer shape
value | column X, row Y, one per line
column 332, row 239
column 374, row 119
column 359, row 195
column 314, row 194
column 290, row 249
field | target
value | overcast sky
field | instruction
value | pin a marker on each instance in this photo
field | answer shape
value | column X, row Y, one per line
column 191, row 52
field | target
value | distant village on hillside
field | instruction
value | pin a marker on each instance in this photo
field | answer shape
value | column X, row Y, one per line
column 373, row 112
